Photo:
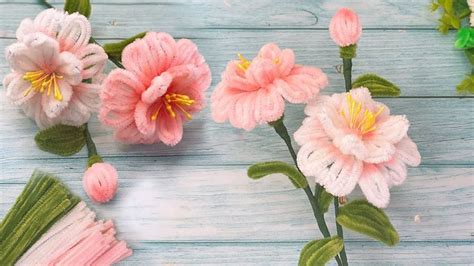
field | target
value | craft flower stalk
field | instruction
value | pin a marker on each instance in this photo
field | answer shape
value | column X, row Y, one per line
column 345, row 30
column 100, row 180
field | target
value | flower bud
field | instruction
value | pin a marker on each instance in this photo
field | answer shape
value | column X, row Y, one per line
column 345, row 28
column 100, row 182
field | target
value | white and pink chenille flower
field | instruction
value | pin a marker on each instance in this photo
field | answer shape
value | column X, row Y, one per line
column 55, row 70
column 349, row 139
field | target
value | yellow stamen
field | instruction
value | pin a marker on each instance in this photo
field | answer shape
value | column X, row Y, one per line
column 176, row 101
column 365, row 123
column 244, row 64
column 41, row 82
column 277, row 61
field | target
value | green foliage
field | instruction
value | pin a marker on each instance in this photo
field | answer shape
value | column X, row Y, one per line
column 470, row 55
column 467, row 85
column 114, row 50
column 81, row 6
column 324, row 200
column 465, row 38
column 61, row 139
column 377, row 85
column 452, row 13
column 260, row 170
column 319, row 252
column 44, row 200
column 365, row 218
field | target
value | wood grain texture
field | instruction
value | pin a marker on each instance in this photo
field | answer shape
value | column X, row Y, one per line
column 193, row 204
column 123, row 15
column 209, row 203
column 360, row 253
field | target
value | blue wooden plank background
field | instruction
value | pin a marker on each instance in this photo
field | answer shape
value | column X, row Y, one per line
column 192, row 204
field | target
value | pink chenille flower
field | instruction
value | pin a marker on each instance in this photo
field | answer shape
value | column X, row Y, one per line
column 100, row 182
column 345, row 28
column 55, row 70
column 350, row 139
column 252, row 93
column 162, row 85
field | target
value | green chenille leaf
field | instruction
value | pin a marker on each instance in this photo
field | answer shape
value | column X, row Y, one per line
column 61, row 139
column 319, row 252
column 470, row 55
column 377, row 85
column 365, row 218
column 114, row 50
column 81, row 6
column 467, row 85
column 324, row 200
column 260, row 170
column 44, row 200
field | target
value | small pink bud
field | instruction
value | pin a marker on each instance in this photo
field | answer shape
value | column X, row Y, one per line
column 100, row 182
column 345, row 28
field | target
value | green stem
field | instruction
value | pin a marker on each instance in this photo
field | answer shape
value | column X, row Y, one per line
column 347, row 71
column 46, row 4
column 340, row 232
column 93, row 156
column 91, row 40
column 282, row 131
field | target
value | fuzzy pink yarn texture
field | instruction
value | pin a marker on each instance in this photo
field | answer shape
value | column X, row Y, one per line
column 345, row 28
column 50, row 62
column 100, row 182
column 254, row 92
column 349, row 139
column 161, row 87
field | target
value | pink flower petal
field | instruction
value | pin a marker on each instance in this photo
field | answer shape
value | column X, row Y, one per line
column 121, row 90
column 393, row 128
column 150, row 56
column 70, row 68
column 93, row 59
column 170, row 130
column 143, row 120
column 343, row 175
column 74, row 33
column 53, row 107
column 374, row 186
column 408, row 152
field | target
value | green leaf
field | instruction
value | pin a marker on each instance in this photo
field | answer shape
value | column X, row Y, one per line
column 260, row 170
column 467, row 85
column 115, row 49
column 319, row 252
column 470, row 55
column 61, row 139
column 448, row 6
column 324, row 200
column 455, row 22
column 377, row 85
column 434, row 6
column 365, row 218
column 81, row 6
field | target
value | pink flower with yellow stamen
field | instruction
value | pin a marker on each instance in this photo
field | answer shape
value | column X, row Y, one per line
column 254, row 92
column 349, row 139
column 55, row 70
column 161, row 87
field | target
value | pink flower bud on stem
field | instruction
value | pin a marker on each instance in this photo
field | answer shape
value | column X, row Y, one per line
column 100, row 180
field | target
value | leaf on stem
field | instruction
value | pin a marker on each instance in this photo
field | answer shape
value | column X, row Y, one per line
column 114, row 50
column 324, row 200
column 377, row 85
column 83, row 7
column 61, row 139
column 467, row 85
column 365, row 218
column 319, row 252
column 260, row 170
